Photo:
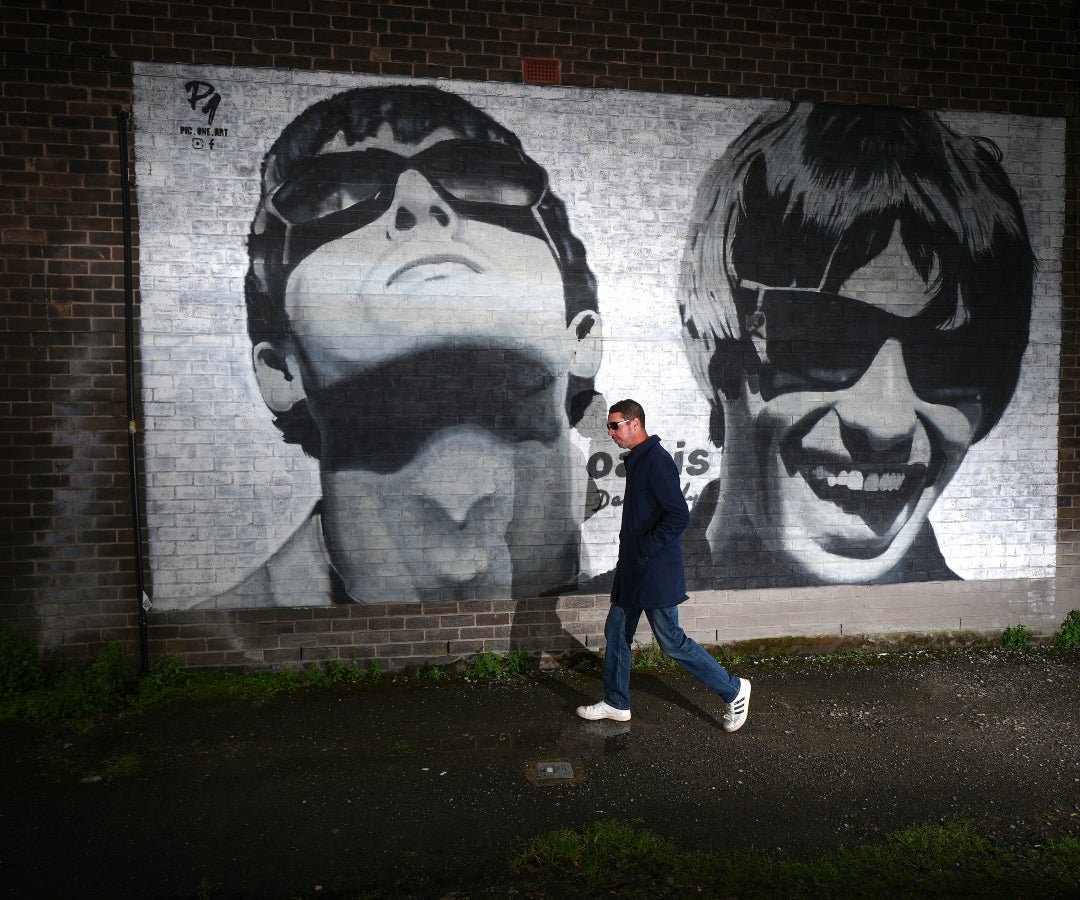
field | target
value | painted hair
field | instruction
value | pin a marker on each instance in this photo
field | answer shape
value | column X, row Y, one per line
column 811, row 193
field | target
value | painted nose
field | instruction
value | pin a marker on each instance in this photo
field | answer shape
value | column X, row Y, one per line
column 418, row 209
column 877, row 413
column 473, row 495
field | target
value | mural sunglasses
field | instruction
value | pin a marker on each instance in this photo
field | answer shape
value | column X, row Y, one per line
column 337, row 193
column 817, row 340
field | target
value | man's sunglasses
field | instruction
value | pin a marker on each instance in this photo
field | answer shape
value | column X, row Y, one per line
column 810, row 339
column 614, row 426
column 337, row 193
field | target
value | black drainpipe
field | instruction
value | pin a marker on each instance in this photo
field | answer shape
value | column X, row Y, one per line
column 123, row 118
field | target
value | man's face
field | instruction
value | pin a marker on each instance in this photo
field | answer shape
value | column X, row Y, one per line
column 626, row 433
column 839, row 481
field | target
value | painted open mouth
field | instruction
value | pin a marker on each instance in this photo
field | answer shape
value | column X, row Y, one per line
column 882, row 487
column 877, row 495
column 829, row 479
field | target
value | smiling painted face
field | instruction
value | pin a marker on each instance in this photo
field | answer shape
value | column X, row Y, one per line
column 844, row 440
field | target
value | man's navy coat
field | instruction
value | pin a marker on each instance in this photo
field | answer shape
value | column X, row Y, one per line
column 654, row 516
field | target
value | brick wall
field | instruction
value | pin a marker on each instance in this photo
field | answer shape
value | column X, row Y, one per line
column 67, row 570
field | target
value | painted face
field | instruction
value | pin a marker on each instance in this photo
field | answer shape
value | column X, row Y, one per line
column 424, row 271
column 434, row 349
column 839, row 481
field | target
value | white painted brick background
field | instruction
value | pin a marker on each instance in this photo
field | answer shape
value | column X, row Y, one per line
column 224, row 491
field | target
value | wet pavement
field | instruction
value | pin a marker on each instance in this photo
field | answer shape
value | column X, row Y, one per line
column 330, row 792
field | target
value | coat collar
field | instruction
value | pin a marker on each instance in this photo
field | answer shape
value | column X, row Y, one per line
column 634, row 456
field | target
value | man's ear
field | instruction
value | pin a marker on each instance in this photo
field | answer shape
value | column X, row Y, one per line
column 278, row 374
column 587, row 329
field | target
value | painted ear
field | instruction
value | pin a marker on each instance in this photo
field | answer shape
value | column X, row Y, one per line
column 278, row 374
column 588, row 331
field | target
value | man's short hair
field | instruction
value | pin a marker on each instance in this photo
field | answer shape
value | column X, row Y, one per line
column 816, row 190
column 628, row 409
column 412, row 112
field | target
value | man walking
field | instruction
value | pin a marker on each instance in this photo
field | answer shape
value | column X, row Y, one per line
column 649, row 576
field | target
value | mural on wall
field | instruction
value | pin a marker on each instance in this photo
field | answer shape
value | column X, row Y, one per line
column 374, row 369
column 424, row 323
column 856, row 298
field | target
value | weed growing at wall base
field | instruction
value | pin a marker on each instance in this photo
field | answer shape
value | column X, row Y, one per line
column 487, row 664
column 651, row 658
column 75, row 698
column 1069, row 633
column 20, row 665
column 518, row 662
column 1016, row 637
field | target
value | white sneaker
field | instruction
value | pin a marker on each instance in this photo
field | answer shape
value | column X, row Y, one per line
column 737, row 710
column 603, row 710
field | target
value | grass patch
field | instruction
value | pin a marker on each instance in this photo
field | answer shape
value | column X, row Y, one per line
column 489, row 665
column 953, row 860
column 20, row 663
column 848, row 656
column 78, row 698
column 518, row 662
column 1017, row 637
column 75, row 698
column 168, row 683
column 651, row 658
column 486, row 666
column 1068, row 635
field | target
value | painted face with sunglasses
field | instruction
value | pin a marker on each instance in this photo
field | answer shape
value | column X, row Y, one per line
column 856, row 413
column 856, row 298
column 393, row 246
column 428, row 324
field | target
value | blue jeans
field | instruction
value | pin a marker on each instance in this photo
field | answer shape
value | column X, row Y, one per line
column 619, row 631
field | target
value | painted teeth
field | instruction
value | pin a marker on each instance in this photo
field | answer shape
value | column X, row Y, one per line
column 854, row 480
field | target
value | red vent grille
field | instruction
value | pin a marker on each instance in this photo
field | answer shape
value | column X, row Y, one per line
column 540, row 71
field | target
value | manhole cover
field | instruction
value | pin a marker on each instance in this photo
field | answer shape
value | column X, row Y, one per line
column 545, row 771
column 554, row 771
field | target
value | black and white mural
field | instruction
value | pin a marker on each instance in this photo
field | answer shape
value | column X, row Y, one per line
column 857, row 297
column 425, row 325
column 382, row 320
